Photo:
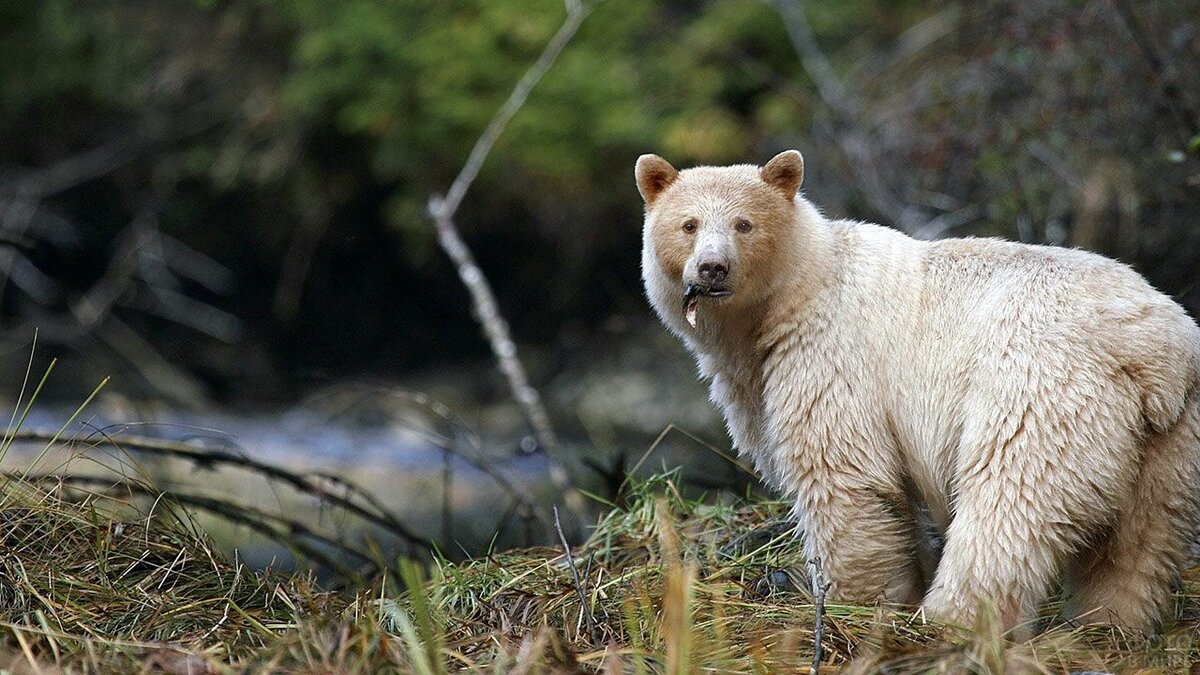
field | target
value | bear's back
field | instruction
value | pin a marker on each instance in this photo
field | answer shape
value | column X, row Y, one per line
column 997, row 299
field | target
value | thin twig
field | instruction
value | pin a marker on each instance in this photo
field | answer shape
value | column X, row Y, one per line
column 157, row 369
column 93, row 306
column 819, row 588
column 470, row 450
column 353, row 489
column 448, row 206
column 814, row 61
column 1163, row 69
column 70, row 172
column 77, row 169
column 298, row 262
column 447, row 498
column 527, row 506
column 495, row 327
column 847, row 115
column 140, row 251
column 583, row 601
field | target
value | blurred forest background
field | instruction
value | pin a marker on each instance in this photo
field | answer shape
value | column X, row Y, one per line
column 222, row 203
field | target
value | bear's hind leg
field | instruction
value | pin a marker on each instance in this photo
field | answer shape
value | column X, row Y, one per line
column 1127, row 578
column 1028, row 496
column 998, row 554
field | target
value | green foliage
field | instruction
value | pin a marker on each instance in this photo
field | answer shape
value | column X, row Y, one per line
column 61, row 54
column 300, row 131
column 419, row 81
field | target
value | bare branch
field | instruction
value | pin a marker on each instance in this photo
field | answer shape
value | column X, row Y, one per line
column 280, row 528
column 26, row 276
column 192, row 264
column 495, row 327
column 156, row 368
column 37, row 184
column 94, row 305
column 141, row 251
column 187, row 311
column 813, row 60
column 946, row 222
column 206, row 457
column 1165, row 70
column 297, row 263
column 470, row 450
column 847, row 114
column 448, row 206
column 80, row 168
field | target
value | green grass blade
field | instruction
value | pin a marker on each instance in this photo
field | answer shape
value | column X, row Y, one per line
column 54, row 439
column 11, row 435
column 24, row 384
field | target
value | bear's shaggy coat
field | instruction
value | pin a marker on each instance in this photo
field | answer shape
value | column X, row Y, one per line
column 1039, row 403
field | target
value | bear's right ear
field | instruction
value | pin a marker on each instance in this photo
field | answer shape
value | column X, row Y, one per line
column 654, row 174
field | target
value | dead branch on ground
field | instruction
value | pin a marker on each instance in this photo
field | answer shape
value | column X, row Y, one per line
column 819, row 588
column 374, row 513
column 287, row 531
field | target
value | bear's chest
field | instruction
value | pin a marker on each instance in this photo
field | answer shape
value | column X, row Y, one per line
column 830, row 404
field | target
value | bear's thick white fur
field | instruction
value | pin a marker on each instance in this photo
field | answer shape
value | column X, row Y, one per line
column 1041, row 403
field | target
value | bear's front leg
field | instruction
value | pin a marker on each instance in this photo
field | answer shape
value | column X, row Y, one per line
column 865, row 541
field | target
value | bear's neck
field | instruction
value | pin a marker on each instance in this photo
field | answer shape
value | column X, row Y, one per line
column 733, row 346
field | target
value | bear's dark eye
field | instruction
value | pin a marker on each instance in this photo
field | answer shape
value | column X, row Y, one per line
column 743, row 225
column 689, row 225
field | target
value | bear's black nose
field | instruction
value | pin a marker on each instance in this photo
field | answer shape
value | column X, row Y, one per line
column 713, row 270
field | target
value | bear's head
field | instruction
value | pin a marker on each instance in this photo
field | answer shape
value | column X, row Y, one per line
column 715, row 235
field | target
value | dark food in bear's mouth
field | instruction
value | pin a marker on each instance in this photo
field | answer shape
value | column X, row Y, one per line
column 691, row 298
column 691, row 302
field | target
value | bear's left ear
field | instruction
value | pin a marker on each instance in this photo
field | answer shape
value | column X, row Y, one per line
column 654, row 174
column 784, row 172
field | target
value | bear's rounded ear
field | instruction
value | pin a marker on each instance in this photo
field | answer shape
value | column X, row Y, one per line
column 654, row 174
column 784, row 172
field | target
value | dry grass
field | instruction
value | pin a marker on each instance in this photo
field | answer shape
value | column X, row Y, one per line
column 92, row 586
column 674, row 586
column 678, row 586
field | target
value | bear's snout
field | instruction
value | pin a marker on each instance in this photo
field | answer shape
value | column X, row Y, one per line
column 713, row 270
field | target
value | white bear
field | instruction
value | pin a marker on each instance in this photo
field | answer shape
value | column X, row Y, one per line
column 1041, row 403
